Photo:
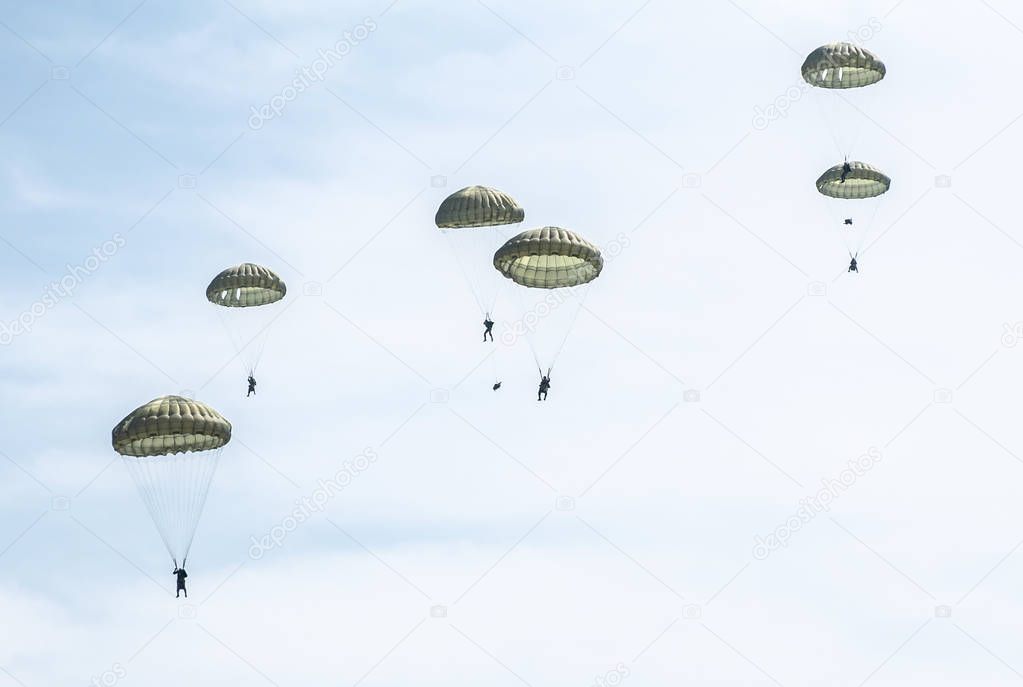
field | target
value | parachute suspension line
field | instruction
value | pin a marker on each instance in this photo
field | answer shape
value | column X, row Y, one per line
column 571, row 326
column 529, row 334
column 873, row 217
column 263, row 336
column 497, row 295
column 139, row 471
column 828, row 105
column 839, row 225
column 235, row 343
column 564, row 339
column 202, row 493
column 473, row 287
column 174, row 490
column 244, row 349
column 829, row 123
column 867, row 97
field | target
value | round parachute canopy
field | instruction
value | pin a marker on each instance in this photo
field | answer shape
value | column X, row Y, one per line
column 862, row 181
column 549, row 258
column 842, row 65
column 170, row 424
column 478, row 206
column 244, row 286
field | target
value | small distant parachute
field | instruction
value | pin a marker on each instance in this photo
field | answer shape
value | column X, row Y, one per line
column 241, row 287
column 550, row 262
column 854, row 181
column 842, row 65
column 171, row 447
column 471, row 219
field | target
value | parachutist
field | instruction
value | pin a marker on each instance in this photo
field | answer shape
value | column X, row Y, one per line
column 545, row 384
column 181, row 575
column 848, row 222
column 846, row 168
column 853, row 267
column 489, row 329
column 252, row 386
column 497, row 385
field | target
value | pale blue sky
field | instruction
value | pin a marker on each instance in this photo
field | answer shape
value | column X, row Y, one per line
column 132, row 120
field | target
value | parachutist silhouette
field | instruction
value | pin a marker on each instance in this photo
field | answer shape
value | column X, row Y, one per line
column 181, row 575
column 489, row 324
column 848, row 222
column 846, row 168
column 545, row 384
column 497, row 385
column 252, row 386
column 853, row 267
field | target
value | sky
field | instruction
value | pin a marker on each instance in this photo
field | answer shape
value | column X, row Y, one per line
column 753, row 468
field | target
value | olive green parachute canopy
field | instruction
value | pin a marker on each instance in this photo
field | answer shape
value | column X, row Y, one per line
column 244, row 286
column 549, row 258
column 478, row 206
column 862, row 181
column 842, row 65
column 170, row 424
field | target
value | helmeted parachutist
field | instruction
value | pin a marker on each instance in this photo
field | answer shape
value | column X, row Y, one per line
column 488, row 329
column 180, row 574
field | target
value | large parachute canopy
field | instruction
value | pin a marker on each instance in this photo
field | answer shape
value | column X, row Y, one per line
column 478, row 206
column 246, row 285
column 842, row 65
column 861, row 181
column 549, row 258
column 171, row 447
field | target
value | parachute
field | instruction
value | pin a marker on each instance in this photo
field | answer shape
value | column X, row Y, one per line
column 842, row 65
column 242, row 287
column 554, row 265
column 478, row 206
column 470, row 220
column 860, row 182
column 171, row 447
column 549, row 258
column 836, row 71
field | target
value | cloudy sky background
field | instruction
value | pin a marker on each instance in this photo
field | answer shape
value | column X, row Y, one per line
column 724, row 364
